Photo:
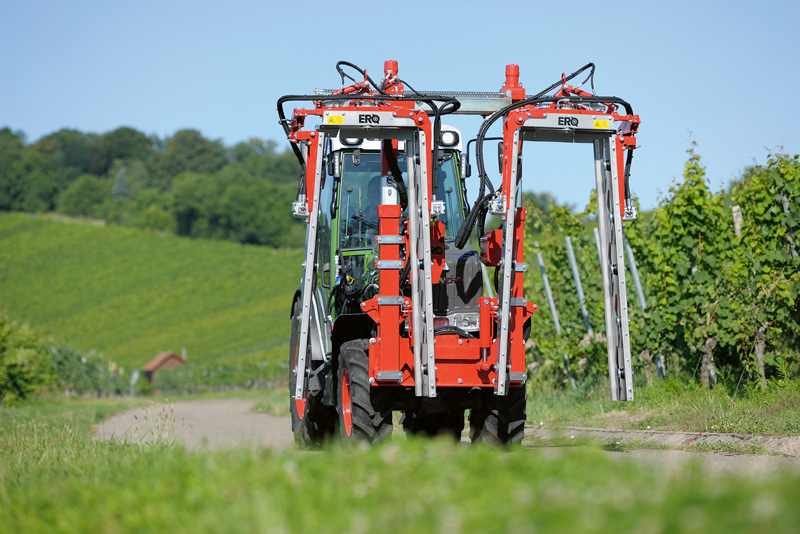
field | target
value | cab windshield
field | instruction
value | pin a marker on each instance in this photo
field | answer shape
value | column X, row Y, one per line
column 360, row 194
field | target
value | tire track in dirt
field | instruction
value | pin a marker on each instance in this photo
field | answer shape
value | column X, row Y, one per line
column 230, row 423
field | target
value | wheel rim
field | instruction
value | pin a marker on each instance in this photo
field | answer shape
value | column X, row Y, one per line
column 347, row 412
column 299, row 404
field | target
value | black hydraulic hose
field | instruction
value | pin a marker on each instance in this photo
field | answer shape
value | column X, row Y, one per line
column 628, row 161
column 391, row 158
column 451, row 105
column 465, row 230
column 504, row 111
column 455, row 105
column 469, row 223
column 361, row 71
column 437, row 132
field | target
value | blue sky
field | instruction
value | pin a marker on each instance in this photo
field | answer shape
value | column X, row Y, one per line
column 724, row 71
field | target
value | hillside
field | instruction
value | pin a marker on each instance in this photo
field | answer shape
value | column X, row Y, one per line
column 131, row 294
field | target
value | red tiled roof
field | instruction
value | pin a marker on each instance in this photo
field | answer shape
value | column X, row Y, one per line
column 157, row 362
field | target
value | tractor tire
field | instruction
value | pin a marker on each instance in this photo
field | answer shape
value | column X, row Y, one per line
column 447, row 424
column 500, row 420
column 312, row 423
column 364, row 413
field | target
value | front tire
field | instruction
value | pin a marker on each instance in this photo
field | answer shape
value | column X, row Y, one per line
column 312, row 423
column 363, row 417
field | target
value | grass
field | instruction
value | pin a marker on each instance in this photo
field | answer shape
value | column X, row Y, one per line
column 731, row 448
column 673, row 405
column 53, row 478
column 131, row 294
column 274, row 401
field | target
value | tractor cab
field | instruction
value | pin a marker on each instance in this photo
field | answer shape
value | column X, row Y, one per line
column 355, row 189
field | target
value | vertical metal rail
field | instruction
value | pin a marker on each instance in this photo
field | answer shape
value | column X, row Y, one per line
column 609, row 218
column 506, row 280
column 577, row 277
column 419, row 233
column 413, row 259
column 309, row 274
column 426, row 287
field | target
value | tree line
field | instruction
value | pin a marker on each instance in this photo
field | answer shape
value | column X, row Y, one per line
column 720, row 274
column 185, row 183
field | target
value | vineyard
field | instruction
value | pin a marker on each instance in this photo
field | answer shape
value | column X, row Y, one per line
column 112, row 298
column 720, row 276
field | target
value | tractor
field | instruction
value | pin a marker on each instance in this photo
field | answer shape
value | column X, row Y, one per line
column 396, row 310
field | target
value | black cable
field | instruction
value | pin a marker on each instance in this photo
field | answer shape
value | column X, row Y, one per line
column 628, row 161
column 464, row 231
column 391, row 158
column 450, row 105
column 361, row 71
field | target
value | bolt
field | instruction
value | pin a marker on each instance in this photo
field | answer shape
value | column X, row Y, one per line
column 460, row 380
column 372, row 380
column 460, row 341
column 372, row 341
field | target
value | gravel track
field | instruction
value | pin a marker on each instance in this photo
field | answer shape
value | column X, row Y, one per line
column 230, row 423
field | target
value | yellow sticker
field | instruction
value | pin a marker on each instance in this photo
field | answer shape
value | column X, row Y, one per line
column 601, row 124
column 339, row 119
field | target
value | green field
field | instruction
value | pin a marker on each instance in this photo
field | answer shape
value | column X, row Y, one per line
column 130, row 294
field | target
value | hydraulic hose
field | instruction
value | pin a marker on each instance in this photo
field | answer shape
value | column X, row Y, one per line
column 466, row 228
column 391, row 158
column 360, row 71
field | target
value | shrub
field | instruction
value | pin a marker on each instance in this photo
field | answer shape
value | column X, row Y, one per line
column 26, row 368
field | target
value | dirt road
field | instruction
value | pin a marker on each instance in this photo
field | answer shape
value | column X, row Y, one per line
column 219, row 424
column 201, row 424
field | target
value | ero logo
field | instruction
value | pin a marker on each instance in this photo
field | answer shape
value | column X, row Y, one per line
column 568, row 121
column 365, row 118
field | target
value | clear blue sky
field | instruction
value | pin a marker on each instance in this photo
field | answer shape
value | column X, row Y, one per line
column 726, row 71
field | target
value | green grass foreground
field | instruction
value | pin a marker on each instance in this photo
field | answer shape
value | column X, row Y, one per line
column 131, row 294
column 54, row 478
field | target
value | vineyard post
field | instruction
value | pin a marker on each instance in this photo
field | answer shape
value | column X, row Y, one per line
column 635, row 275
column 577, row 277
column 553, row 310
column 785, row 204
column 597, row 244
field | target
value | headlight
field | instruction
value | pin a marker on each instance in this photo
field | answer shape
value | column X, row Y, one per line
column 448, row 138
